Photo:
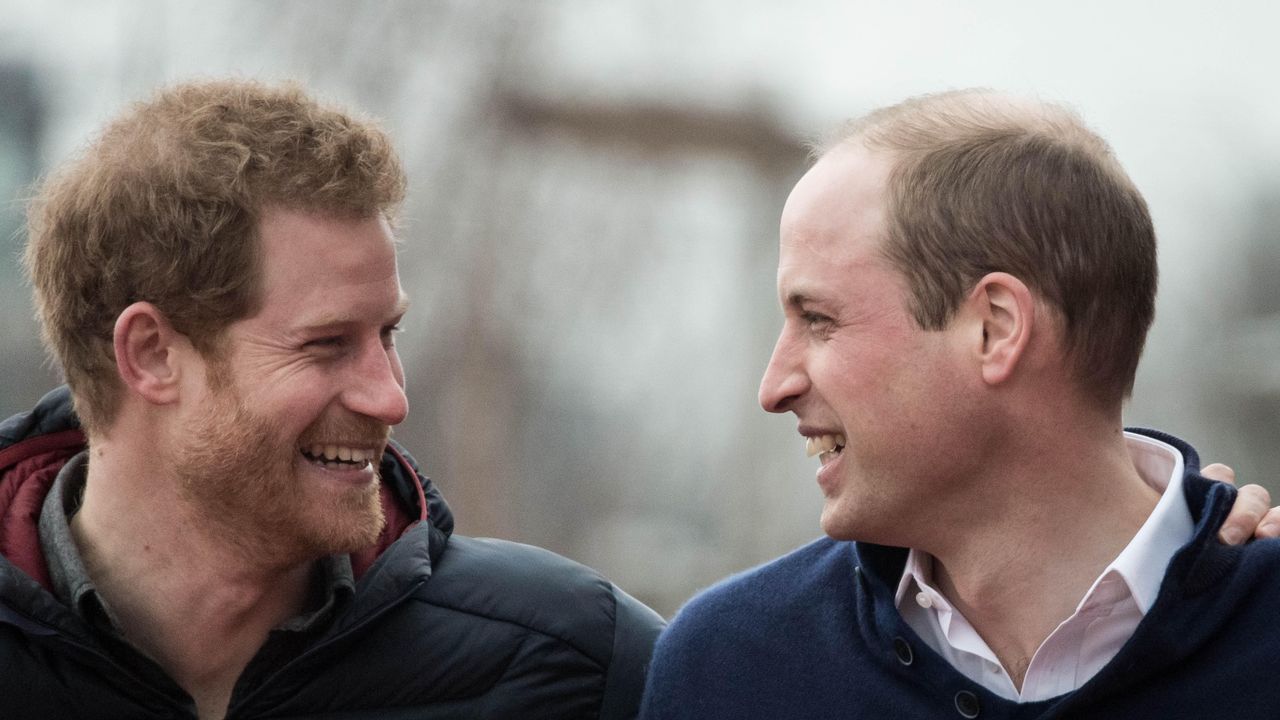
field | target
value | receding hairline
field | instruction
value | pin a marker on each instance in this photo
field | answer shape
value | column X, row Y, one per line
column 985, row 180
column 956, row 115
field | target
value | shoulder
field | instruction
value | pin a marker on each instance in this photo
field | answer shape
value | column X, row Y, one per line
column 1259, row 562
column 1204, row 562
column 504, row 582
column 783, row 586
column 552, row 619
column 533, row 587
column 487, row 628
column 748, row 645
column 747, row 611
column 52, row 414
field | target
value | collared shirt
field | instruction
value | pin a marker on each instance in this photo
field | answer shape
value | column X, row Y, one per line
column 332, row 586
column 1103, row 620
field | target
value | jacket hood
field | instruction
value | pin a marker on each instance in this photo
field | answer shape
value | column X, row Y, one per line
column 34, row 445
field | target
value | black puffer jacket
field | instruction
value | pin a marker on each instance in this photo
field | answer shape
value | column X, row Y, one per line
column 441, row 626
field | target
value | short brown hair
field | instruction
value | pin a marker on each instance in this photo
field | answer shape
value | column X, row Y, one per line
column 164, row 206
column 983, row 183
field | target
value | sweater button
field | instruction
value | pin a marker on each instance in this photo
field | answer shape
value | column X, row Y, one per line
column 967, row 704
column 903, row 650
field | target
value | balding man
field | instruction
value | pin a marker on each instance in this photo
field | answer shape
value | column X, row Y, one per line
column 967, row 281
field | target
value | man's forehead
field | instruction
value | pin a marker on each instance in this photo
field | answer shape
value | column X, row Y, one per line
column 838, row 207
column 318, row 267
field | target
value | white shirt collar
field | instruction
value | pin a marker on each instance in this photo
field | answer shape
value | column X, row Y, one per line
column 1103, row 620
column 1143, row 561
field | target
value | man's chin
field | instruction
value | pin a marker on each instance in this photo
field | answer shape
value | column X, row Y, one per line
column 353, row 523
column 839, row 523
column 318, row 522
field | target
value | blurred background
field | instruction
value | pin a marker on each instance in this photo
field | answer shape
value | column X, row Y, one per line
column 590, row 238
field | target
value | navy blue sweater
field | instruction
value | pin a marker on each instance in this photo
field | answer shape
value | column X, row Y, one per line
column 815, row 634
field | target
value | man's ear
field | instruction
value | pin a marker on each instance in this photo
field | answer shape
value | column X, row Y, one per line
column 147, row 353
column 1006, row 309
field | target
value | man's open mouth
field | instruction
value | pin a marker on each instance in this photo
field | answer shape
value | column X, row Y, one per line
column 826, row 447
column 345, row 456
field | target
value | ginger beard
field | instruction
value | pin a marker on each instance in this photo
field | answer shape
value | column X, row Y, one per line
column 242, row 478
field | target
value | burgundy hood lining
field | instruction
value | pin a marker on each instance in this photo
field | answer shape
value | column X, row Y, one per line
column 399, row 521
column 27, row 470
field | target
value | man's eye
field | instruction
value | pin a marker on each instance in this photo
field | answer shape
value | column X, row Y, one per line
column 325, row 342
column 814, row 319
column 389, row 335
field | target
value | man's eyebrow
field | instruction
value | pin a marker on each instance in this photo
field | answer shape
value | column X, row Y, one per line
column 339, row 320
column 798, row 299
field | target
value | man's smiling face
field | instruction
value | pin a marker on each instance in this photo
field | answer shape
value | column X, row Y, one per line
column 876, row 396
column 284, row 448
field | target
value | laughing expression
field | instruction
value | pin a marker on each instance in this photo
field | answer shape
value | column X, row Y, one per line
column 283, row 450
column 874, row 393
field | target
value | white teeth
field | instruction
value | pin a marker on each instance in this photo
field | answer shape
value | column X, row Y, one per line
column 820, row 444
column 335, row 453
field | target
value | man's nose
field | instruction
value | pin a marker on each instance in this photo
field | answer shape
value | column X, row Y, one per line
column 784, row 379
column 376, row 388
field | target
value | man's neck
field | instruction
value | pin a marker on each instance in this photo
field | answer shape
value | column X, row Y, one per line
column 1019, row 566
column 192, row 603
